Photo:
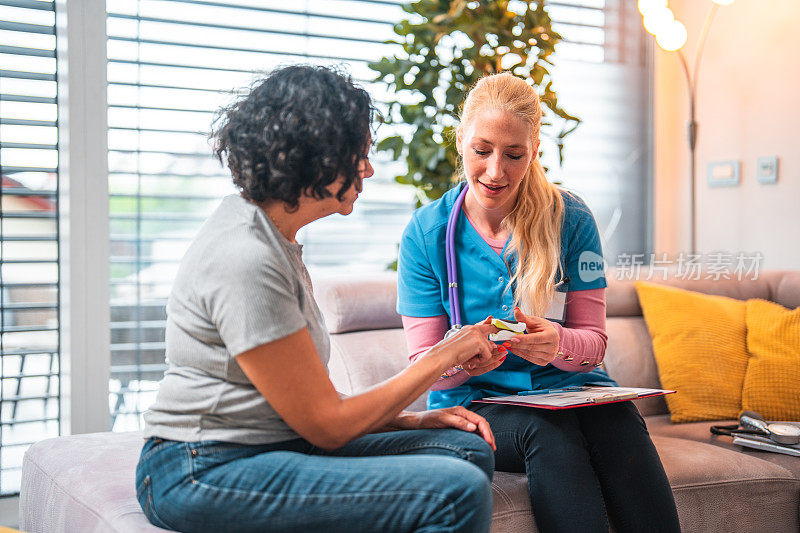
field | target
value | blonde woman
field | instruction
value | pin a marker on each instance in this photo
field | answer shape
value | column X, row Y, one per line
column 528, row 251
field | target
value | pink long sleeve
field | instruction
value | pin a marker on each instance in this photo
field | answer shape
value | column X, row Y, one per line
column 421, row 334
column 583, row 336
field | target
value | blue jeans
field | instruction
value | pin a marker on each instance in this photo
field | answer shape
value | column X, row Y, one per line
column 584, row 466
column 434, row 480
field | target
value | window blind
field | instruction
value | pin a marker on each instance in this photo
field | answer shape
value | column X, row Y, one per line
column 29, row 250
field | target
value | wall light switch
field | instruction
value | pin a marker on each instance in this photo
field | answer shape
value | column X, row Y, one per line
column 767, row 169
column 723, row 173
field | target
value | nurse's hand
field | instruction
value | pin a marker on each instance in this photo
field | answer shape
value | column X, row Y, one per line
column 540, row 344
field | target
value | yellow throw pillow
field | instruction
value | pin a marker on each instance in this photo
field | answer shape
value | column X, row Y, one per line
column 772, row 382
column 700, row 348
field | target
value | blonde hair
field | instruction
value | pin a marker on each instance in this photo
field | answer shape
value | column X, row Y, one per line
column 536, row 218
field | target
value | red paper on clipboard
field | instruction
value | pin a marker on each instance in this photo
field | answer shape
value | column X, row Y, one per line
column 585, row 397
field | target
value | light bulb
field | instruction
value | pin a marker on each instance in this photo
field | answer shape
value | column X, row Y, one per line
column 723, row 2
column 658, row 18
column 646, row 5
column 672, row 36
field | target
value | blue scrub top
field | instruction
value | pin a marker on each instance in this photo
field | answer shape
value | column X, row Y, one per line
column 482, row 287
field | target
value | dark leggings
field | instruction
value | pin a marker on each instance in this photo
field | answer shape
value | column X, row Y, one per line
column 584, row 466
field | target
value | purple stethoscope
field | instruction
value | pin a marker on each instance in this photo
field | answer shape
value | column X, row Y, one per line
column 450, row 255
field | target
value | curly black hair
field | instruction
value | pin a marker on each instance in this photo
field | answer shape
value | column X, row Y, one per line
column 298, row 130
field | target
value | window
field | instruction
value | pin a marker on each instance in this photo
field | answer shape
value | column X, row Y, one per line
column 602, row 76
column 29, row 250
column 172, row 63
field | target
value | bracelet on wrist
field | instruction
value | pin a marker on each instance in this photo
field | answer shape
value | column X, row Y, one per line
column 450, row 372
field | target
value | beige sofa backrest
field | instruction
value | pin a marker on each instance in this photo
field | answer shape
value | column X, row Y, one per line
column 368, row 344
column 367, row 340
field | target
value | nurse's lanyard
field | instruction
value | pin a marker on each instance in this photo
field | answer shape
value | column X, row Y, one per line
column 450, row 255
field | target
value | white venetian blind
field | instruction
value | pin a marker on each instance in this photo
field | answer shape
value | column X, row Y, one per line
column 29, row 252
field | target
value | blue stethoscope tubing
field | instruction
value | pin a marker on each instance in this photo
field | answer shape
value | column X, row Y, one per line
column 450, row 256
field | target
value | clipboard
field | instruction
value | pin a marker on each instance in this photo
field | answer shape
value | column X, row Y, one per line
column 583, row 397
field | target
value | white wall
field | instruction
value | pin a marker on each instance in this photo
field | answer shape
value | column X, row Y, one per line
column 747, row 107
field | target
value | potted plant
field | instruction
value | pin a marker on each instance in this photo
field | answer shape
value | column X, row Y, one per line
column 448, row 45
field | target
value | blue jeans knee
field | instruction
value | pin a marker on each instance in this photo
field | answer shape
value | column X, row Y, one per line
column 479, row 452
column 467, row 492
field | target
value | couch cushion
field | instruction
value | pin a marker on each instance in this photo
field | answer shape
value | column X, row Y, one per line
column 82, row 483
column 772, row 381
column 512, row 505
column 784, row 288
column 779, row 286
column 700, row 432
column 699, row 345
column 86, row 483
column 715, row 488
column 355, row 304
column 361, row 359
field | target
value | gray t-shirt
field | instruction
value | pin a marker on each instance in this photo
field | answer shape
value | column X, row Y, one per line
column 241, row 284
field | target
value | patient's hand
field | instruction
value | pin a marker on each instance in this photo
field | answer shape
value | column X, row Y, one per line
column 450, row 417
column 479, row 365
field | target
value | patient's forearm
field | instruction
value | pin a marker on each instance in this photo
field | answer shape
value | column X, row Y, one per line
column 421, row 334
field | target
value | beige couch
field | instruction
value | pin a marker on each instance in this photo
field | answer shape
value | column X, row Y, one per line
column 717, row 486
column 86, row 482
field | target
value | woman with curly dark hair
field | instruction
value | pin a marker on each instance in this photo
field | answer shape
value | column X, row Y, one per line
column 247, row 432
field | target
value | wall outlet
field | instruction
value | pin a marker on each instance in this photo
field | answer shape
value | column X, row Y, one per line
column 767, row 169
column 723, row 173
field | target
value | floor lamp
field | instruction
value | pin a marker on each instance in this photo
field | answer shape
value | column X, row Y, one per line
column 670, row 35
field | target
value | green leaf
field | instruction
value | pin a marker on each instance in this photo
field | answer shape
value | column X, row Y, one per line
column 395, row 144
column 439, row 87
